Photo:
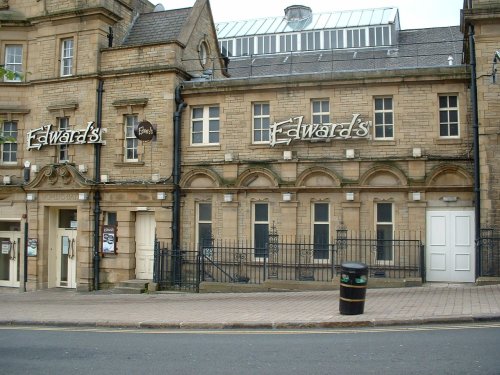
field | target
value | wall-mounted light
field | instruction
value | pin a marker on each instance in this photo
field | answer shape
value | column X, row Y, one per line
column 449, row 199
column 83, row 196
column 287, row 155
column 417, row 152
column 228, row 197
column 30, row 197
column 161, row 195
column 349, row 153
column 416, row 196
column 349, row 196
column 287, row 197
column 155, row 177
column 26, row 171
column 6, row 180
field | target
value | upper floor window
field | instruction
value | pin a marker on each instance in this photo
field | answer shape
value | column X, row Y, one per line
column 14, row 61
column 310, row 40
column 204, row 52
column 226, row 47
column 448, row 116
column 320, row 111
column 261, row 121
column 356, row 38
column 63, row 149
column 384, row 118
column 205, row 125
column 321, row 230
column 131, row 142
column 67, row 51
column 9, row 147
column 385, row 229
column 379, row 36
column 289, row 43
column 333, row 39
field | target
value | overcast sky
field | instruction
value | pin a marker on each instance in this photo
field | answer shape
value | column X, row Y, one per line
column 412, row 13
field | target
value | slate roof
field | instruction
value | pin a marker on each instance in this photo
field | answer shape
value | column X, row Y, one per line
column 317, row 21
column 416, row 48
column 157, row 27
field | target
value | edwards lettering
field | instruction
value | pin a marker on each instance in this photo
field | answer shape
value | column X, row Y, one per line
column 45, row 136
column 294, row 129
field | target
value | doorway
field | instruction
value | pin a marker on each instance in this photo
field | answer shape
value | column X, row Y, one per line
column 10, row 243
column 450, row 246
column 145, row 227
column 66, row 249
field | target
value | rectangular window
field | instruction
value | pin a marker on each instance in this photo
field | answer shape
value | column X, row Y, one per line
column 110, row 218
column 63, row 149
column 260, row 229
column 14, row 61
column 67, row 57
column 320, row 111
column 384, row 118
column 261, row 121
column 226, row 47
column 131, row 142
column 321, row 230
column 204, row 223
column 205, row 125
column 448, row 116
column 385, row 230
column 9, row 147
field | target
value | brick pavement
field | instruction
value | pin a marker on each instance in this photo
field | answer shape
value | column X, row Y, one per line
column 316, row 309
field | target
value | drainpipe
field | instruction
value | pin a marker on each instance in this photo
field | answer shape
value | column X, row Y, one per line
column 97, row 179
column 475, row 128
column 176, row 174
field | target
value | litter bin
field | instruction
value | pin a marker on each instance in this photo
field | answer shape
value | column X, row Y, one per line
column 353, row 280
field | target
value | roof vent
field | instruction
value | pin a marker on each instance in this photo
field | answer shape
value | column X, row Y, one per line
column 297, row 13
column 159, row 8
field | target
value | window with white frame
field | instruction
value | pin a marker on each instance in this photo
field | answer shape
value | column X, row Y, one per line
column 310, row 41
column 266, row 44
column 385, row 230
column 448, row 116
column 63, row 123
column 321, row 230
column 289, row 43
column 260, row 229
column 320, row 111
column 384, row 118
column 9, row 147
column 204, row 224
column 356, row 38
column 205, row 125
column 226, row 47
column 131, row 142
column 379, row 36
column 14, row 61
column 67, row 51
column 261, row 121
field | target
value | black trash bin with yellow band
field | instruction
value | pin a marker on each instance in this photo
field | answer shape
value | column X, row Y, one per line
column 353, row 280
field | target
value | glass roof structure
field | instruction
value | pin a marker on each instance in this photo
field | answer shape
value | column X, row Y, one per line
column 316, row 21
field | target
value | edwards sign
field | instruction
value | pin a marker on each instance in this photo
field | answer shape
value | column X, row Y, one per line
column 45, row 136
column 294, row 130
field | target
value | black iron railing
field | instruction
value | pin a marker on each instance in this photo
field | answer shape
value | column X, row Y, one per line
column 287, row 259
column 488, row 246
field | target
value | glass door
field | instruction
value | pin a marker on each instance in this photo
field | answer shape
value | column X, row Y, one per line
column 9, row 254
column 66, row 249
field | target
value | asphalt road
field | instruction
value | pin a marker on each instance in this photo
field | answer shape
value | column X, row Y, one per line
column 438, row 349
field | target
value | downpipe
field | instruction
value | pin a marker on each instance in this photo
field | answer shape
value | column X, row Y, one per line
column 475, row 132
column 97, row 195
column 176, row 173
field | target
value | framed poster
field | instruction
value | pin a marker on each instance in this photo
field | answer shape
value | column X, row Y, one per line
column 109, row 239
column 32, row 247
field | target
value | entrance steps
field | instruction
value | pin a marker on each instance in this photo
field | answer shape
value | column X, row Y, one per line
column 131, row 287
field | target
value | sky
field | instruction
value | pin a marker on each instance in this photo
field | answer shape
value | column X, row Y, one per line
column 413, row 14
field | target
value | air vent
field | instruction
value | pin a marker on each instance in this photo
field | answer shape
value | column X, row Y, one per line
column 297, row 13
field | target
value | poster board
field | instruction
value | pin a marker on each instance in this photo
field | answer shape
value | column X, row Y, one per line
column 32, row 247
column 109, row 239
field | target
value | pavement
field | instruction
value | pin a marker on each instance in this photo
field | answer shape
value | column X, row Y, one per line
column 431, row 303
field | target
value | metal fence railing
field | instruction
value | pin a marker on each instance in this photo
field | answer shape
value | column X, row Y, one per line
column 488, row 246
column 283, row 259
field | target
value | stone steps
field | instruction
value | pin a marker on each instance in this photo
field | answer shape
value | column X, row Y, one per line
column 131, row 287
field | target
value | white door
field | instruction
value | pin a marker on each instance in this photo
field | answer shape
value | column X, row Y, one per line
column 144, row 245
column 66, row 258
column 450, row 246
column 9, row 258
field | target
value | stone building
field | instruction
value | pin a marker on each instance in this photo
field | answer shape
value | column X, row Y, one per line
column 299, row 125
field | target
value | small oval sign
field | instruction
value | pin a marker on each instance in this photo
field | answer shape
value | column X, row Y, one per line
column 144, row 131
